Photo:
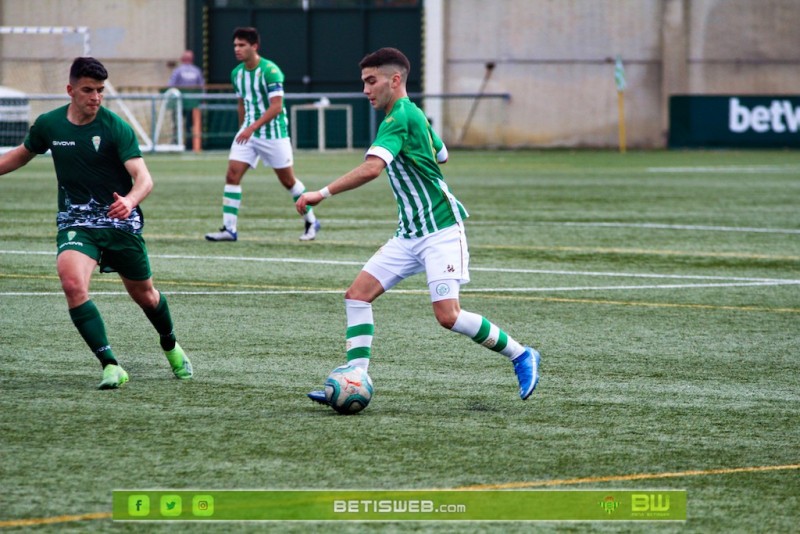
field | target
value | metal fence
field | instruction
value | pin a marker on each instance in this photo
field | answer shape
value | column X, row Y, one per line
column 317, row 120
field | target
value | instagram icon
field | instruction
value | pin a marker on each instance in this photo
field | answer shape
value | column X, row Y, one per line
column 203, row 505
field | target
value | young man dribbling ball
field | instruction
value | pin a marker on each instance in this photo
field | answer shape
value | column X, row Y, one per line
column 102, row 179
column 430, row 234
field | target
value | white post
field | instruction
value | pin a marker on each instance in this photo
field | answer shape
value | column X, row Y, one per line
column 434, row 54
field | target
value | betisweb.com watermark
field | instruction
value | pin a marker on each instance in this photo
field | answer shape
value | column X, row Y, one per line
column 401, row 506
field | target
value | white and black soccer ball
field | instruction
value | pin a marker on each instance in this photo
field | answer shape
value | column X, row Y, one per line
column 348, row 389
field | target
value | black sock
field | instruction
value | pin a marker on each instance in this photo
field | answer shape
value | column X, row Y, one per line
column 162, row 321
column 89, row 323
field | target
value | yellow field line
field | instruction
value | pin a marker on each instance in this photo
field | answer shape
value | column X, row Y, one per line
column 509, row 485
column 641, row 252
column 51, row 520
column 634, row 303
column 628, row 478
column 117, row 281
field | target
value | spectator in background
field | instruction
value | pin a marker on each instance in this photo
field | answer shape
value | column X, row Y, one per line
column 187, row 74
column 188, row 78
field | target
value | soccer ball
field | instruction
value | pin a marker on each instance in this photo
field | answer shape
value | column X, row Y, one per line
column 348, row 389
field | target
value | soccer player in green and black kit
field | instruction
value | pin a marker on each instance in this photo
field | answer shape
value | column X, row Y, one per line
column 430, row 233
column 102, row 179
column 263, row 134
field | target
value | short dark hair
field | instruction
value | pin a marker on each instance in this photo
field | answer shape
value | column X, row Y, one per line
column 87, row 67
column 387, row 56
column 247, row 33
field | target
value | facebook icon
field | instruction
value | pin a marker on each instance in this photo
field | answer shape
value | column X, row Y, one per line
column 138, row 505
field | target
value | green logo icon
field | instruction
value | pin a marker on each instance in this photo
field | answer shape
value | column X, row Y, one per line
column 171, row 505
column 203, row 505
column 609, row 504
column 138, row 505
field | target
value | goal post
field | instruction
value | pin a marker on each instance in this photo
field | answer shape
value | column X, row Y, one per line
column 34, row 67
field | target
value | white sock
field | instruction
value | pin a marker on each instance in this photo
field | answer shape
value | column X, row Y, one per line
column 231, row 201
column 486, row 333
column 298, row 189
column 360, row 362
column 360, row 329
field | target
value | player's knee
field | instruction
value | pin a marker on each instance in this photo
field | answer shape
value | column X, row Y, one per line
column 354, row 294
column 147, row 299
column 446, row 318
column 234, row 176
column 74, row 288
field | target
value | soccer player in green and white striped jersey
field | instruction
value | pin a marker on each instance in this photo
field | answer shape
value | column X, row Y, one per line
column 263, row 134
column 430, row 234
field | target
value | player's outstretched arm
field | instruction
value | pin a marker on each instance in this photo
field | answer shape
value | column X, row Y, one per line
column 14, row 159
column 367, row 171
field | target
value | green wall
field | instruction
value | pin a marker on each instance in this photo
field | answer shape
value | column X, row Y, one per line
column 318, row 50
column 730, row 121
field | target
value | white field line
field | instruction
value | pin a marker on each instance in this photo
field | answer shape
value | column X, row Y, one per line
column 696, row 227
column 745, row 169
column 650, row 226
column 477, row 269
column 719, row 281
column 205, row 258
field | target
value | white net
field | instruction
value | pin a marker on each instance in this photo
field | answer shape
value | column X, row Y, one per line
column 33, row 78
column 37, row 58
column 34, row 66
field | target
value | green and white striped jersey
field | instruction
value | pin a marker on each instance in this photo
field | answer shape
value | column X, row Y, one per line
column 409, row 146
column 255, row 87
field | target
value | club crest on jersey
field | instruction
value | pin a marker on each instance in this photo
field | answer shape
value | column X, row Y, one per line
column 96, row 142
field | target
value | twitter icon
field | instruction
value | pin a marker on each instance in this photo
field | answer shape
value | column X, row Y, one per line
column 171, row 505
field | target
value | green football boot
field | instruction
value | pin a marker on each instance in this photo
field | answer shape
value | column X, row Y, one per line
column 181, row 366
column 113, row 377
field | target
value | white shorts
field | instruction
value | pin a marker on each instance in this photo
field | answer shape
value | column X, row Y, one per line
column 275, row 153
column 443, row 255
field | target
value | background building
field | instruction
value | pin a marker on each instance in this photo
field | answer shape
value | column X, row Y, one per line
column 553, row 59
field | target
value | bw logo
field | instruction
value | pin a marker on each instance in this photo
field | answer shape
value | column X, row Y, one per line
column 649, row 502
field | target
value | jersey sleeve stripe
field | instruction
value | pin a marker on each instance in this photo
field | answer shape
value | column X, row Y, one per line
column 382, row 153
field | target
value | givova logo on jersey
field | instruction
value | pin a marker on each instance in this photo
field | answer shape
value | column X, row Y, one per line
column 70, row 242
